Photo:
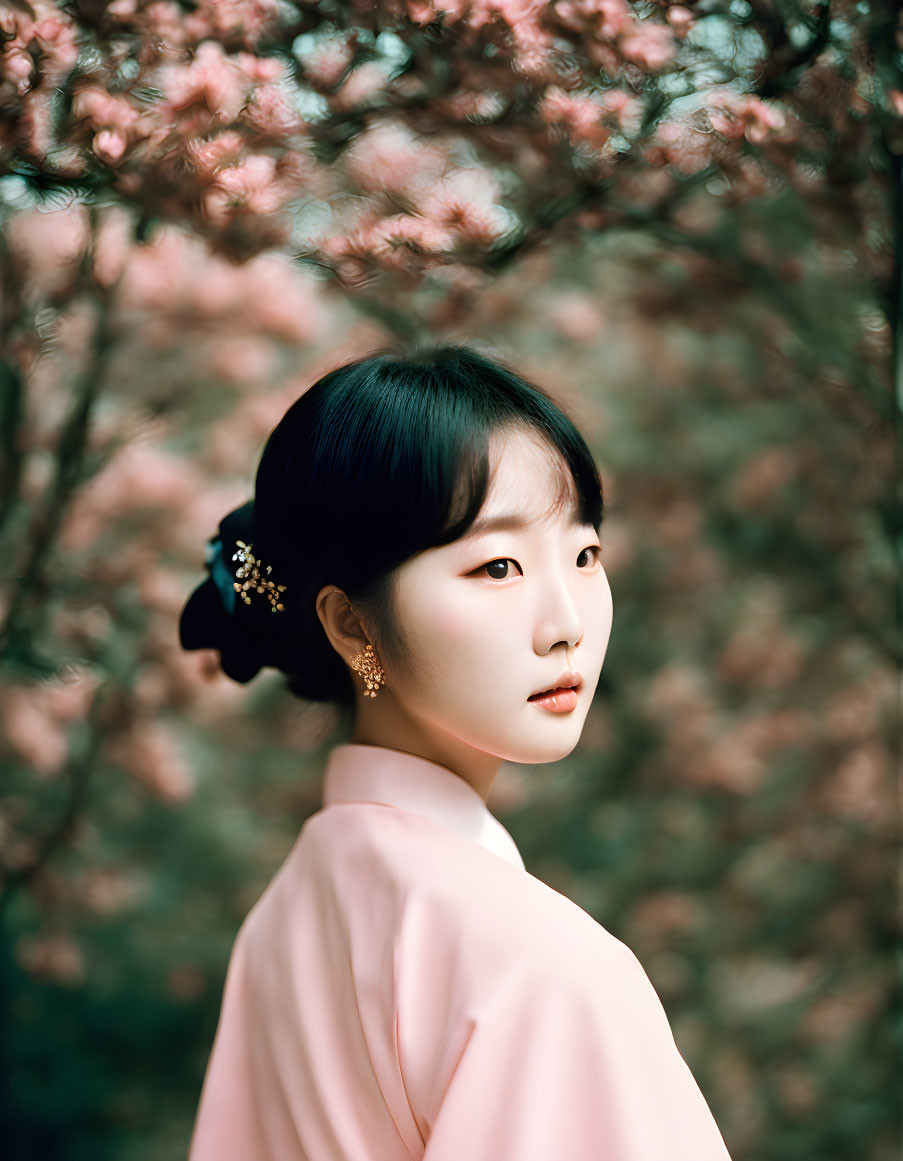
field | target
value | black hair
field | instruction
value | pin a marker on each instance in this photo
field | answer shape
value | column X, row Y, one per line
column 380, row 459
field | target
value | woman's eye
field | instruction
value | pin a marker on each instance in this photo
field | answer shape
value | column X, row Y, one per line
column 501, row 563
column 498, row 569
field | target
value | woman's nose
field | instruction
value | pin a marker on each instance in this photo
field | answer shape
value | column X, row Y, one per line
column 560, row 621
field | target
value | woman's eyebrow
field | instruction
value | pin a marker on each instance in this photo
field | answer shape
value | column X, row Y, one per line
column 509, row 522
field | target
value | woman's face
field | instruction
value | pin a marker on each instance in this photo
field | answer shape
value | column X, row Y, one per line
column 482, row 639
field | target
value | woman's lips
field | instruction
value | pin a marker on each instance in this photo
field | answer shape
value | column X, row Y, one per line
column 559, row 701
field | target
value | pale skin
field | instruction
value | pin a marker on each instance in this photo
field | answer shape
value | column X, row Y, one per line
column 481, row 640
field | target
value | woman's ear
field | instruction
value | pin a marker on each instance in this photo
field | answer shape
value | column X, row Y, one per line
column 340, row 622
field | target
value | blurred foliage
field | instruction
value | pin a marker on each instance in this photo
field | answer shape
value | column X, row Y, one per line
column 703, row 263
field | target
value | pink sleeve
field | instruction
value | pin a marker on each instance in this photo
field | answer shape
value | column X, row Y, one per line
column 575, row 1063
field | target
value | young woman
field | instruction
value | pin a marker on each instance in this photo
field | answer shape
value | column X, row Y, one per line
column 422, row 550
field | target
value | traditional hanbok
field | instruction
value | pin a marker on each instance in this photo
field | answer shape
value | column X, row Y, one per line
column 405, row 989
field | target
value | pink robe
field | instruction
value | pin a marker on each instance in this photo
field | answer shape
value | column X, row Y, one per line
column 404, row 988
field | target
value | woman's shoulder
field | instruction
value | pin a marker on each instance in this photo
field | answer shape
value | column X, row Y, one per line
column 451, row 891
column 472, row 899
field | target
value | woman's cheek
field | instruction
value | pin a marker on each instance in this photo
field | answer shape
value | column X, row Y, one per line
column 470, row 636
column 463, row 613
column 450, row 617
column 441, row 633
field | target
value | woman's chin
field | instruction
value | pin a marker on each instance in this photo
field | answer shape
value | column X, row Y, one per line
column 532, row 749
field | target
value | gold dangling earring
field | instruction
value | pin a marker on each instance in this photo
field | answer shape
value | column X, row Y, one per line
column 370, row 669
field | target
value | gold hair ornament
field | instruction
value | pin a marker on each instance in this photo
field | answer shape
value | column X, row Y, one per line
column 249, row 573
column 370, row 669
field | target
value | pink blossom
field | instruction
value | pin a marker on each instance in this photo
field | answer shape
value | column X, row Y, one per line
column 68, row 697
column 383, row 236
column 287, row 303
column 425, row 13
column 56, row 36
column 627, row 109
column 482, row 12
column 16, row 66
column 616, row 17
column 40, row 32
column 862, row 788
column 109, row 145
column 389, row 240
column 325, row 64
column 146, row 476
column 361, row 85
column 251, row 186
column 209, row 156
column 33, row 732
column 212, row 79
column 577, row 316
column 253, row 173
column 680, row 18
column 150, row 752
column 176, row 275
column 228, row 444
column 161, row 22
column 465, row 103
column 260, row 69
column 153, row 271
column 37, row 130
column 388, row 157
column 532, row 47
column 678, row 144
column 466, row 200
column 649, row 45
column 50, row 244
column 581, row 116
column 421, row 11
column 228, row 19
column 245, row 359
column 728, row 762
column 220, row 292
column 738, row 115
column 606, row 18
column 761, row 119
column 10, row 21
column 140, row 476
column 122, row 9
column 103, row 110
column 204, row 509
column 269, row 112
column 160, row 589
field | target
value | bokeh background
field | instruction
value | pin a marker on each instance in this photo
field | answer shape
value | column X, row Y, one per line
column 684, row 220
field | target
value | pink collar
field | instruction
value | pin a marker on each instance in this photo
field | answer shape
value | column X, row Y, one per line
column 362, row 773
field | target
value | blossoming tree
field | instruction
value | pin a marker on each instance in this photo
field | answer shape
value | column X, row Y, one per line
column 192, row 194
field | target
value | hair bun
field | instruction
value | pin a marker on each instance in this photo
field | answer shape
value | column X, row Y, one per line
column 214, row 617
